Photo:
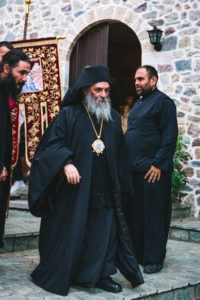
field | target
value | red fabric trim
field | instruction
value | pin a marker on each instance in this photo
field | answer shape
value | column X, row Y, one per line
column 11, row 103
column 15, row 136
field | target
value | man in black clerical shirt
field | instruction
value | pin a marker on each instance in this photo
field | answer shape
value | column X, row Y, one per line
column 75, row 187
column 151, row 140
column 14, row 69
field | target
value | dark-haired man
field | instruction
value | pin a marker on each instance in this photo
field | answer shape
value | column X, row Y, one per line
column 5, row 47
column 83, row 233
column 14, row 69
column 151, row 140
column 18, row 187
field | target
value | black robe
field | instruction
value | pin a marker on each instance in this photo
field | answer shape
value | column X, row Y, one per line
column 151, row 140
column 64, row 215
column 5, row 154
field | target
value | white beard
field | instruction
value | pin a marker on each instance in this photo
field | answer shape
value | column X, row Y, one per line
column 98, row 108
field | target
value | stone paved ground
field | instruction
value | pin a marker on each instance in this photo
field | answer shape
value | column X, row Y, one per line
column 21, row 223
column 182, row 268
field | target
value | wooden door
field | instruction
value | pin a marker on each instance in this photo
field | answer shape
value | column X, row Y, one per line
column 91, row 49
column 111, row 44
column 124, row 57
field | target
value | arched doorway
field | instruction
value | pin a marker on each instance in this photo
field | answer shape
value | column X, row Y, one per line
column 112, row 44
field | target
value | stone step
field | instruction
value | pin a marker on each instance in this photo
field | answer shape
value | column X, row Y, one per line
column 21, row 231
column 180, row 211
column 22, row 196
column 19, row 204
column 180, row 278
column 187, row 229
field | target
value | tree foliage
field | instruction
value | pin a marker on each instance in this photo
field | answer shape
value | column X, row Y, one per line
column 179, row 178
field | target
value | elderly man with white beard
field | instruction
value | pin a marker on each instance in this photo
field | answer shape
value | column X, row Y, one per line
column 76, row 187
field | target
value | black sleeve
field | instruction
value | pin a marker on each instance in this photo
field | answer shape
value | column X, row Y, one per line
column 125, row 167
column 169, row 130
column 50, row 156
column 68, row 161
column 3, row 126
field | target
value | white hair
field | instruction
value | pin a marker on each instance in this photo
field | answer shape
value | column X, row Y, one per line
column 100, row 107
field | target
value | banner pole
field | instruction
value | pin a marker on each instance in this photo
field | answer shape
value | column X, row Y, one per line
column 27, row 2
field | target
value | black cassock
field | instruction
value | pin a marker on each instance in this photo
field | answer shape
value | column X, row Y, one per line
column 5, row 154
column 67, row 222
column 151, row 140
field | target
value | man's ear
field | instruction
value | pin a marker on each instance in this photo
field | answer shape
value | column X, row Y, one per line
column 6, row 69
column 85, row 90
column 153, row 81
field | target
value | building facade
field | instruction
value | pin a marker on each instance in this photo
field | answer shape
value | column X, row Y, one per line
column 178, row 63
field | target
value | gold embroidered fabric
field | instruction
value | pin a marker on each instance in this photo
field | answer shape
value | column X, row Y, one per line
column 43, row 87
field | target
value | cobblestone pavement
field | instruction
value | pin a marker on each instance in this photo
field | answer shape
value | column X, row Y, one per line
column 182, row 268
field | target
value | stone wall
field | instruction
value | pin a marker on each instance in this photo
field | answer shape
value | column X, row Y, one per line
column 178, row 63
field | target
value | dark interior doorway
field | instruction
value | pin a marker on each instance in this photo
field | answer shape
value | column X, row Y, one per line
column 112, row 44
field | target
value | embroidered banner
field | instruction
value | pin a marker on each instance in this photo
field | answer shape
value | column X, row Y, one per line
column 41, row 95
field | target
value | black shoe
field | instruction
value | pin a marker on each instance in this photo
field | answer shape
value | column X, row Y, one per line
column 107, row 284
column 150, row 269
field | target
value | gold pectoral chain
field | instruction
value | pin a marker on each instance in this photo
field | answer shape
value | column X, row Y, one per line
column 98, row 145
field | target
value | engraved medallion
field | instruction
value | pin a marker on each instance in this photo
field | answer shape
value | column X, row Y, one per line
column 98, row 146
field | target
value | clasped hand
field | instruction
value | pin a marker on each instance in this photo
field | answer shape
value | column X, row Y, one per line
column 3, row 174
column 154, row 174
column 72, row 174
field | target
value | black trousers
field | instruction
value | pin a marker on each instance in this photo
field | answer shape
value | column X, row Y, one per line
column 149, row 214
column 99, row 250
column 4, row 193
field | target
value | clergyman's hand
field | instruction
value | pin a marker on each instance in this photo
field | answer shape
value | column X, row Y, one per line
column 13, row 115
column 72, row 174
column 3, row 174
column 154, row 174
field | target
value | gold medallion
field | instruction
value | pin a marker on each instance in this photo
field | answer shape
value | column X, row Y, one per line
column 98, row 146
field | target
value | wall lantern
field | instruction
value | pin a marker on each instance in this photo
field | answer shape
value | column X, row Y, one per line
column 155, row 37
